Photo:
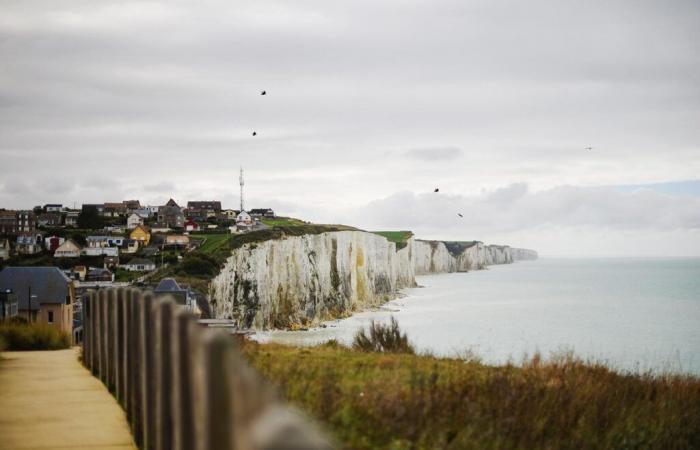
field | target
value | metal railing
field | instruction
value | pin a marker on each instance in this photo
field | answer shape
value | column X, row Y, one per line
column 184, row 386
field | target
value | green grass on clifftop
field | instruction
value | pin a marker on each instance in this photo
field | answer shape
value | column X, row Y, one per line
column 401, row 401
column 400, row 238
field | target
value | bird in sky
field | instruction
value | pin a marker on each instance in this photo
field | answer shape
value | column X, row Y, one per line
column 263, row 93
column 589, row 148
column 254, row 133
column 437, row 190
column 460, row 215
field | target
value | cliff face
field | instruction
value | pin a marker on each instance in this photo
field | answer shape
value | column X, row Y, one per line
column 304, row 279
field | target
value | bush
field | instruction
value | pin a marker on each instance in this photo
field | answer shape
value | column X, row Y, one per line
column 383, row 338
column 33, row 337
column 198, row 264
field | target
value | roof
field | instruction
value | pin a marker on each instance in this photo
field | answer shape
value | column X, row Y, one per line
column 171, row 202
column 206, row 204
column 139, row 261
column 98, row 271
column 143, row 228
column 49, row 284
column 167, row 285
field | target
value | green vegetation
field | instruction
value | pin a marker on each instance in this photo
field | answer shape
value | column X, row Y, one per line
column 213, row 241
column 382, row 338
column 89, row 218
column 18, row 336
column 123, row 275
column 282, row 222
column 405, row 401
column 400, row 238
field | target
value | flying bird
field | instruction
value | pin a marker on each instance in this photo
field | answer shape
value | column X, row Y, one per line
column 437, row 190
column 263, row 93
column 460, row 215
column 589, row 148
column 254, row 133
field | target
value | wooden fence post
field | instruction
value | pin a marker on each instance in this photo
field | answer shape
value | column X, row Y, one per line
column 136, row 375
column 86, row 331
column 213, row 393
column 148, row 372
column 120, row 347
column 94, row 343
column 111, row 339
column 102, row 333
column 185, row 333
column 163, row 319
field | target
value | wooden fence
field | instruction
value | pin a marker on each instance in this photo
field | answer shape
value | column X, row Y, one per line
column 184, row 386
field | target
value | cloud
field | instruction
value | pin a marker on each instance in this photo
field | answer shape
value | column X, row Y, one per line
column 438, row 154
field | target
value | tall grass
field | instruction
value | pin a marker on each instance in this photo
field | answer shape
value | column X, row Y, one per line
column 382, row 338
column 405, row 401
column 33, row 337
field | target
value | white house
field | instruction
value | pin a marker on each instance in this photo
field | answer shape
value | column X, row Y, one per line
column 244, row 222
column 134, row 221
column 139, row 265
column 99, row 251
column 68, row 249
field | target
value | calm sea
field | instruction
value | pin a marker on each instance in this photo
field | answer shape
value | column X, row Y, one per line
column 633, row 314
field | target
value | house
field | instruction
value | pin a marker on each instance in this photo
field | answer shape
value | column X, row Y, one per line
column 152, row 210
column 29, row 243
column 99, row 275
column 105, row 241
column 80, row 271
column 191, row 225
column 49, row 219
column 71, row 218
column 51, row 243
column 8, row 305
column 111, row 262
column 182, row 295
column 171, row 215
column 141, row 234
column 52, row 208
column 69, row 249
column 131, row 205
column 130, row 246
column 100, row 251
column 139, row 265
column 26, row 221
column 99, row 207
column 160, row 228
column 174, row 240
column 114, row 229
column 4, row 249
column 229, row 214
column 143, row 212
column 262, row 212
column 45, row 294
column 244, row 222
column 133, row 221
column 113, row 209
column 202, row 210
column 8, row 222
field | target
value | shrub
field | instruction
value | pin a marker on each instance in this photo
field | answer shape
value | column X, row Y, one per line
column 197, row 264
column 385, row 338
column 33, row 337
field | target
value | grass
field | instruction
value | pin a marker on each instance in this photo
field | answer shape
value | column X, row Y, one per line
column 379, row 337
column 404, row 401
column 282, row 222
column 400, row 238
column 15, row 336
column 213, row 242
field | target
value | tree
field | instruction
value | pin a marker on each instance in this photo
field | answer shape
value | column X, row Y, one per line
column 89, row 218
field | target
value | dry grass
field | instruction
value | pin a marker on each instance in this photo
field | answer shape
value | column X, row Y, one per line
column 382, row 338
column 33, row 337
column 405, row 401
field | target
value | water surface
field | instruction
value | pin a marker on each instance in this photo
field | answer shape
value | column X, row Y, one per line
column 633, row 314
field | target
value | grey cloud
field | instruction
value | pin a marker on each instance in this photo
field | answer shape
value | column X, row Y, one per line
column 434, row 154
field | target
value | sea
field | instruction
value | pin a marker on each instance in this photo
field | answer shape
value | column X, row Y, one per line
column 635, row 315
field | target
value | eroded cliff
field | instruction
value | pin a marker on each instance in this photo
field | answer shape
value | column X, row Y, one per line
column 300, row 280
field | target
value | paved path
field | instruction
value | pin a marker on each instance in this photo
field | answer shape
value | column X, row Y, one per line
column 48, row 400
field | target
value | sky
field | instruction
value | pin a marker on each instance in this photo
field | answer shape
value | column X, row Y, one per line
column 370, row 106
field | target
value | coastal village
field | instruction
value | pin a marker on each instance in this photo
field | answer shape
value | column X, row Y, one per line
column 52, row 255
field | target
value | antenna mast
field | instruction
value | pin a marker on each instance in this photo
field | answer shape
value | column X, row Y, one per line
column 241, row 180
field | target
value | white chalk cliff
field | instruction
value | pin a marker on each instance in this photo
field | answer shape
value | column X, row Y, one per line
column 301, row 280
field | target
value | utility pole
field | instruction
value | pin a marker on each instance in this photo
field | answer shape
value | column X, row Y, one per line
column 241, row 181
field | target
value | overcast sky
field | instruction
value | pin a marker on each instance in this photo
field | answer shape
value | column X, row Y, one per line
column 370, row 106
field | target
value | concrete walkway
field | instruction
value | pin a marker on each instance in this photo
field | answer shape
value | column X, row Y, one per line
column 48, row 400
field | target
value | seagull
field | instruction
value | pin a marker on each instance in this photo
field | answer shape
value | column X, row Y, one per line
column 437, row 190
column 254, row 133
column 589, row 148
column 263, row 93
column 460, row 215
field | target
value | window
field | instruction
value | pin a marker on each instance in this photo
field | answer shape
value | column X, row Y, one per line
column 50, row 316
